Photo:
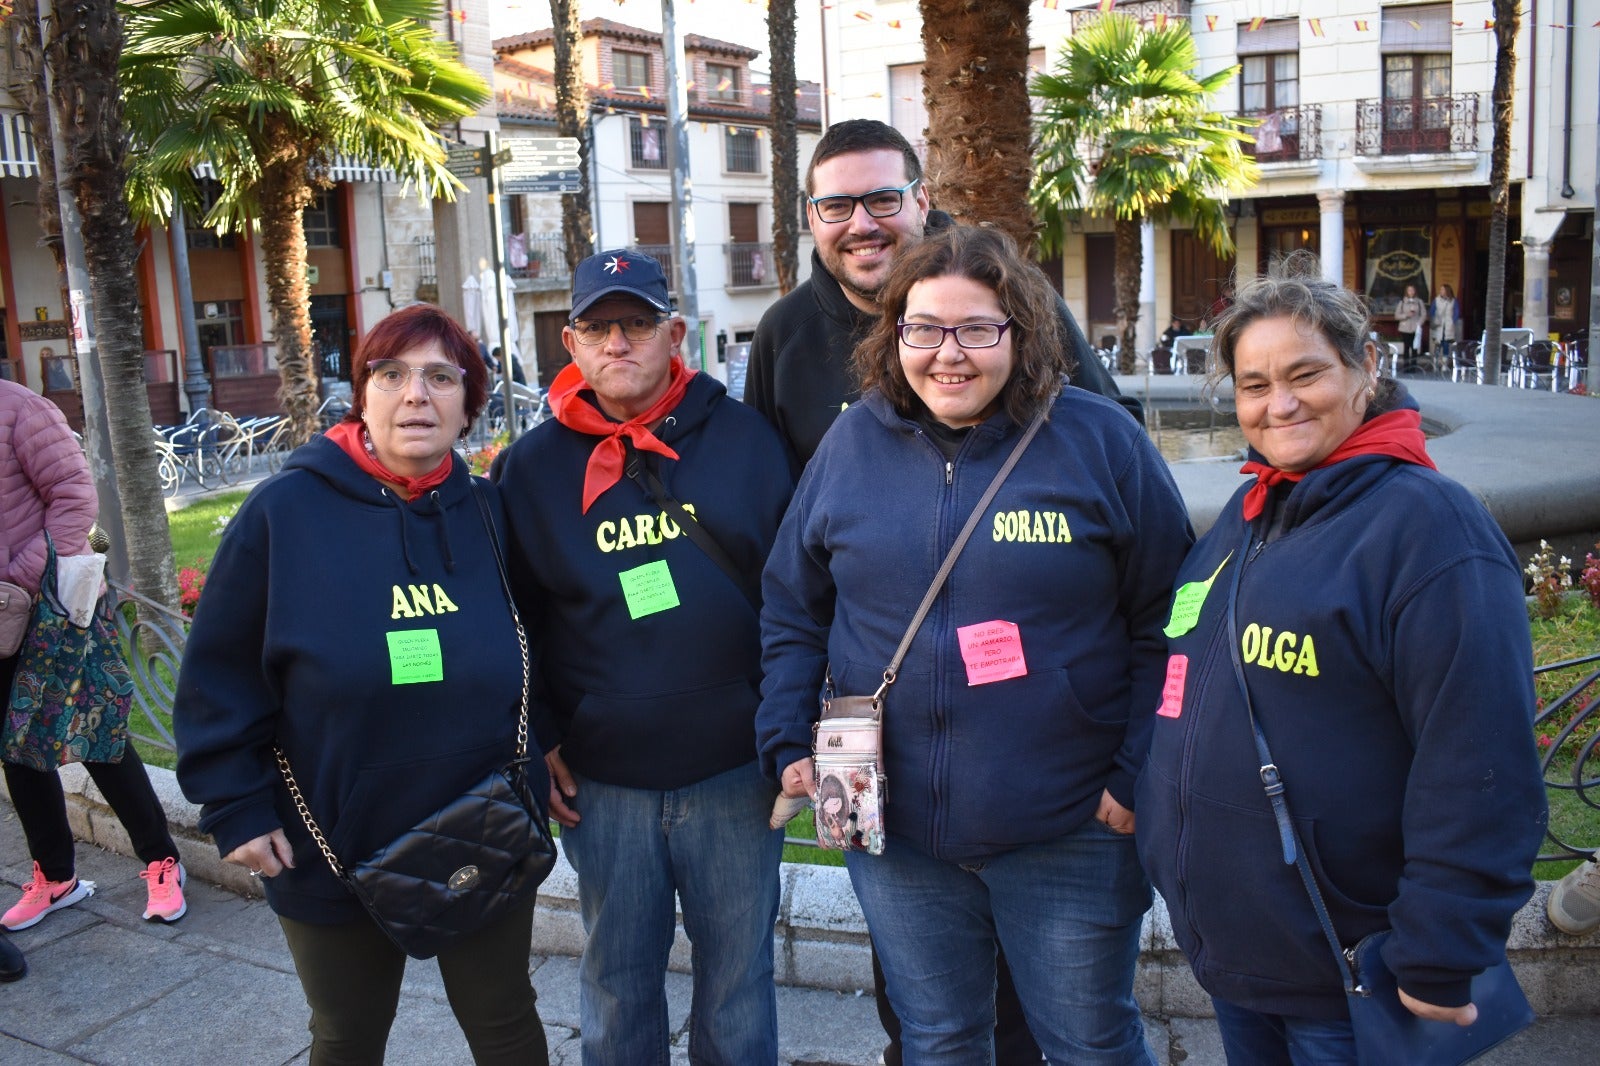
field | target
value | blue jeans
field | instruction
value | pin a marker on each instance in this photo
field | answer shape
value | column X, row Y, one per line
column 1067, row 913
column 1252, row 1038
column 709, row 843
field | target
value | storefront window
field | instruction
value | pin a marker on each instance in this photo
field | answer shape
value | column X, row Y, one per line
column 1397, row 257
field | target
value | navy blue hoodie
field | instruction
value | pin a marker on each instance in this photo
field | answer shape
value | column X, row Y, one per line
column 1078, row 550
column 1385, row 642
column 665, row 699
column 317, row 631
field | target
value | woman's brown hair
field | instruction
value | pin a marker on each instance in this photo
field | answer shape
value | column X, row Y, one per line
column 989, row 257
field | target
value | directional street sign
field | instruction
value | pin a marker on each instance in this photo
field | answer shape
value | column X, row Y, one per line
column 531, row 156
column 567, row 181
column 466, row 162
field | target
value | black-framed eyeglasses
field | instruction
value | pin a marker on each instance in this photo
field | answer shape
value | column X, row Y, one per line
column 968, row 334
column 637, row 328
column 392, row 375
column 880, row 203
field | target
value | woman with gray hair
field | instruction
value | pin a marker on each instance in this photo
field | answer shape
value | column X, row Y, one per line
column 1361, row 613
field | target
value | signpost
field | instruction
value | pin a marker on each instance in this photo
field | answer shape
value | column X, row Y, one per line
column 515, row 167
column 539, row 165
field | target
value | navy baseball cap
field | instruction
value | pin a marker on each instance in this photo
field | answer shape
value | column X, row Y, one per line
column 619, row 272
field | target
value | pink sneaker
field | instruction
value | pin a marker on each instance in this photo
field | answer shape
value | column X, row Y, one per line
column 41, row 897
column 164, row 881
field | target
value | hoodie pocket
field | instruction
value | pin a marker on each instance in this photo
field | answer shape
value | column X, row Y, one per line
column 663, row 740
column 1248, row 907
column 389, row 798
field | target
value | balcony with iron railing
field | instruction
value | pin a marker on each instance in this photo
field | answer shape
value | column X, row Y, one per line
column 750, row 265
column 1411, row 125
column 1287, row 134
column 538, row 261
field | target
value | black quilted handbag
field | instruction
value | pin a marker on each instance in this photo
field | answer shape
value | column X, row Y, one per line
column 467, row 863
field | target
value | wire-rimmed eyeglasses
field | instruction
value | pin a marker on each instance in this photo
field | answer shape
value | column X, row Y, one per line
column 392, row 375
column 880, row 203
column 637, row 328
column 968, row 334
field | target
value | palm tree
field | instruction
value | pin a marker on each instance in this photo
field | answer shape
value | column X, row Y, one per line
column 975, row 86
column 81, row 56
column 572, row 120
column 268, row 93
column 785, row 149
column 1507, row 21
column 1125, row 129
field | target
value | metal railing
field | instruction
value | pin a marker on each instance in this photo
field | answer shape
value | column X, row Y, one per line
column 1417, row 125
column 545, row 259
column 750, row 265
column 1287, row 134
column 153, row 638
column 1576, row 721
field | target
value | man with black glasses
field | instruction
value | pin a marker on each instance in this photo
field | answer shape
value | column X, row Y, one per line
column 640, row 518
column 867, row 203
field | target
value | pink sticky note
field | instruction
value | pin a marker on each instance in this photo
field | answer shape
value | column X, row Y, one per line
column 992, row 651
column 1172, row 691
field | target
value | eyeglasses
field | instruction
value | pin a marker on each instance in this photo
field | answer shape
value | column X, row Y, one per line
column 880, row 203
column 637, row 328
column 392, row 375
column 968, row 334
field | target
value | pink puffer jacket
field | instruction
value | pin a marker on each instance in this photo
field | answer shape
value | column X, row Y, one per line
column 44, row 484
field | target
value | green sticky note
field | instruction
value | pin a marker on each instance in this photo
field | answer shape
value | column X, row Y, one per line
column 649, row 589
column 1188, row 600
column 414, row 656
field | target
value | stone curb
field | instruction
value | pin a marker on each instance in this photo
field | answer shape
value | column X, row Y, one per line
column 821, row 939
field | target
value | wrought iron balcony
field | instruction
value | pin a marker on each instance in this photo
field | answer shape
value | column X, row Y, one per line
column 1413, row 125
column 537, row 257
column 1287, row 135
column 750, row 265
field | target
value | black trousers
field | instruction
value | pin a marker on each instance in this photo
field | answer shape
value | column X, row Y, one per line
column 42, row 805
column 351, row 976
column 1013, row 1044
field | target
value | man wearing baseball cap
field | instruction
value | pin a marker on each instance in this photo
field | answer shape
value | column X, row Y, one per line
column 639, row 521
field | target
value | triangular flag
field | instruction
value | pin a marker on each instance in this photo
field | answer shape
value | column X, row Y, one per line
column 644, row 122
column 1457, row 23
column 1052, row 4
column 1361, row 25
column 688, row 85
column 644, row 90
column 1488, row 24
column 864, row 16
column 1414, row 24
column 724, row 85
column 1255, row 23
column 1316, row 27
column 1161, row 20
column 893, row 24
column 1211, row 22
column 1106, row 6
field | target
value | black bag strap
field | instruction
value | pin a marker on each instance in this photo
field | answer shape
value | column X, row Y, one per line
column 955, row 551
column 650, row 484
column 1294, row 853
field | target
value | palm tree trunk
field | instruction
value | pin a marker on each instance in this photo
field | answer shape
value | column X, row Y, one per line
column 1130, row 262
column 1507, row 21
column 82, row 54
column 785, row 151
column 285, row 193
column 975, row 84
column 572, row 120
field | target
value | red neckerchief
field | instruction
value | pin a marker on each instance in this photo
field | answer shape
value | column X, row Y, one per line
column 605, row 462
column 1397, row 434
column 352, row 438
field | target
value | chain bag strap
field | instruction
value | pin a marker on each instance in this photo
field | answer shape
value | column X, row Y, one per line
column 847, row 742
column 1386, row 1032
column 465, row 864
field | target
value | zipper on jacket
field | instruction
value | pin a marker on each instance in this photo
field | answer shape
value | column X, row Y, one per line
column 949, row 472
